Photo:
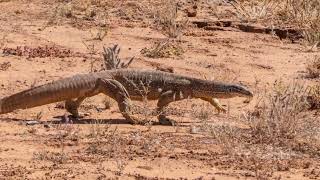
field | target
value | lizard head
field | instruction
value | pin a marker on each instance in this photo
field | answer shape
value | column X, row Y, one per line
column 231, row 90
column 240, row 91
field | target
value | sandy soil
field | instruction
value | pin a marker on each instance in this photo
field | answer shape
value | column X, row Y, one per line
column 103, row 145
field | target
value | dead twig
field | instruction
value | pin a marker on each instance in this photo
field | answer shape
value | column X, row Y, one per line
column 112, row 60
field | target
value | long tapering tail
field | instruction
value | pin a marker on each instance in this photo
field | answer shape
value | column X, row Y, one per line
column 60, row 90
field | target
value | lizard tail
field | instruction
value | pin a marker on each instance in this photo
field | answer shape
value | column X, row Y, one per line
column 60, row 90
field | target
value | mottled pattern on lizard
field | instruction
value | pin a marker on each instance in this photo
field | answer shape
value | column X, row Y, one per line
column 124, row 85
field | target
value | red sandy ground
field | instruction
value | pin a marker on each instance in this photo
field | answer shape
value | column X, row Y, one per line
column 121, row 150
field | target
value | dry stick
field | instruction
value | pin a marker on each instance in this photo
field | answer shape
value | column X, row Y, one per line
column 92, row 51
column 112, row 60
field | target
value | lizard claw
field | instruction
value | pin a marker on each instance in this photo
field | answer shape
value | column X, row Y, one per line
column 166, row 121
column 221, row 109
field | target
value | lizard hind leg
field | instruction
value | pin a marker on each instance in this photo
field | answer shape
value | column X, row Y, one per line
column 72, row 106
column 118, row 92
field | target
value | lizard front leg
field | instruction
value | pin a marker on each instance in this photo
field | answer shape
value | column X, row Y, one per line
column 117, row 91
column 215, row 102
column 164, row 100
column 73, row 105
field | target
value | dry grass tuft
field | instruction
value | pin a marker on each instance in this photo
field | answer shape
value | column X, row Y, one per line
column 313, row 68
column 102, row 140
column 305, row 14
column 252, row 11
column 202, row 112
column 279, row 119
column 163, row 49
column 166, row 19
column 299, row 14
column 314, row 97
column 55, row 157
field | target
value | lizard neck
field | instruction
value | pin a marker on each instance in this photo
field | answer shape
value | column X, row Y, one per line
column 211, row 89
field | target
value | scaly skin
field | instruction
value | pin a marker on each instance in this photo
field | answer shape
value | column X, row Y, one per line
column 123, row 85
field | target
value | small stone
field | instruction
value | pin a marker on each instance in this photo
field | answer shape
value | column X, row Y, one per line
column 31, row 123
column 191, row 12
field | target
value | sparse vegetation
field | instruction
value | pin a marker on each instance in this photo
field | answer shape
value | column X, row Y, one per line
column 313, row 68
column 300, row 14
column 202, row 112
column 5, row 66
column 277, row 131
column 279, row 118
column 92, row 51
column 166, row 19
column 275, row 136
column 313, row 97
column 112, row 60
column 55, row 157
column 103, row 140
column 163, row 49
column 254, row 10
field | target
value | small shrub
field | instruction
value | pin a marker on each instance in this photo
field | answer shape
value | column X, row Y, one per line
column 276, row 135
column 299, row 14
column 279, row 115
column 313, row 68
column 314, row 97
column 112, row 60
column 202, row 112
column 166, row 19
column 163, row 49
column 254, row 10
column 55, row 157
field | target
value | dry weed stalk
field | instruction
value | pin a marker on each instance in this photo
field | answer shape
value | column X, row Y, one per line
column 3, row 41
column 147, row 113
column 92, row 51
column 103, row 140
column 112, row 60
column 280, row 120
column 229, row 137
column 64, row 132
column 202, row 112
column 121, row 165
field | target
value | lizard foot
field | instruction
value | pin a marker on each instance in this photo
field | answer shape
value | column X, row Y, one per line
column 166, row 121
column 132, row 120
column 218, row 106
column 80, row 115
column 221, row 109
